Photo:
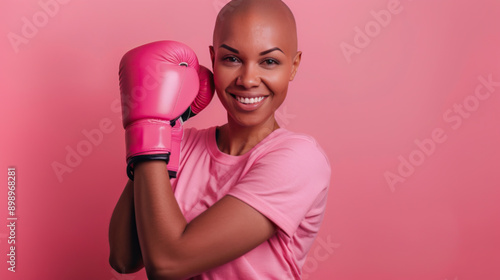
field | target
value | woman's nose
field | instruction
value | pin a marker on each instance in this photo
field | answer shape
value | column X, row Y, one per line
column 248, row 77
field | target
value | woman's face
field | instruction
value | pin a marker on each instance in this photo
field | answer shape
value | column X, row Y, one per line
column 253, row 59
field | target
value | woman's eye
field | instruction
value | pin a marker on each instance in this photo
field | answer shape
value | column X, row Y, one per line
column 230, row 59
column 271, row 61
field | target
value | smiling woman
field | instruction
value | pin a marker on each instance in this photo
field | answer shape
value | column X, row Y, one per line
column 249, row 197
column 255, row 55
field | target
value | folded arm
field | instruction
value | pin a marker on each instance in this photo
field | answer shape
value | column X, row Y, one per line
column 125, row 252
column 174, row 249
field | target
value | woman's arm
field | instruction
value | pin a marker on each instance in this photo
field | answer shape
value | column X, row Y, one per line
column 172, row 248
column 125, row 252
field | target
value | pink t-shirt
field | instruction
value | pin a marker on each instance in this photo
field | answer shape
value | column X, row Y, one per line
column 285, row 177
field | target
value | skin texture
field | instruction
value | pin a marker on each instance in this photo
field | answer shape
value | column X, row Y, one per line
column 147, row 228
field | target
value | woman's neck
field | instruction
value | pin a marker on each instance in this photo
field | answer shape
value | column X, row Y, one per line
column 236, row 140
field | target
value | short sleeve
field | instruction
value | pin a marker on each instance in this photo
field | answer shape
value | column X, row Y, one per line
column 286, row 182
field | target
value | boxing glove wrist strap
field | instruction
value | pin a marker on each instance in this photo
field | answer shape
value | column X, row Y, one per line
column 147, row 139
column 137, row 159
column 148, row 136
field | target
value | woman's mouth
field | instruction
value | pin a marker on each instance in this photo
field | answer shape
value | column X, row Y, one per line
column 248, row 103
column 246, row 100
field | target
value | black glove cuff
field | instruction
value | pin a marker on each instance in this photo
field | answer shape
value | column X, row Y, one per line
column 184, row 117
column 141, row 158
column 172, row 174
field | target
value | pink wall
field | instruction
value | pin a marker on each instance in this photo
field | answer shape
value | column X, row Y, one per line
column 391, row 89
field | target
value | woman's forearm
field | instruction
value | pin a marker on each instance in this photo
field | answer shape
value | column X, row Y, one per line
column 125, row 253
column 160, row 222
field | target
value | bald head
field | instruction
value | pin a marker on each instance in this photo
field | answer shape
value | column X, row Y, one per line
column 240, row 14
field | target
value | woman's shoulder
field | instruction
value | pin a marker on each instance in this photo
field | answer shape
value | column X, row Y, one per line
column 192, row 133
column 190, row 130
column 286, row 139
column 295, row 145
column 285, row 135
column 195, row 137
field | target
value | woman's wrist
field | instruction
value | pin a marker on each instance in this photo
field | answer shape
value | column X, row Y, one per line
column 150, row 167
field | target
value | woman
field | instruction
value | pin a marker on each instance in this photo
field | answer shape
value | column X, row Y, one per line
column 249, row 196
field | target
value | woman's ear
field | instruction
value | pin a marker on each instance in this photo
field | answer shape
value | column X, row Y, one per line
column 212, row 55
column 295, row 64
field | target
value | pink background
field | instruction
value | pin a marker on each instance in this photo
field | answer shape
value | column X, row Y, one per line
column 402, row 84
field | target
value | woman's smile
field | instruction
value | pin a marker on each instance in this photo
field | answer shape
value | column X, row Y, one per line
column 248, row 102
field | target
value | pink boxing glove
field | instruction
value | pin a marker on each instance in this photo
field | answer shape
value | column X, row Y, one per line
column 158, row 82
column 201, row 101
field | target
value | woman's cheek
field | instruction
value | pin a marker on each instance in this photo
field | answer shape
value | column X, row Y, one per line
column 278, row 83
column 220, row 77
column 218, row 81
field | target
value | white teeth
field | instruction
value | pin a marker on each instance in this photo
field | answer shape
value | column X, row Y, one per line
column 246, row 100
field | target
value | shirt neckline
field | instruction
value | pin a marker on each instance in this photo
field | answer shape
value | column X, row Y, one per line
column 230, row 159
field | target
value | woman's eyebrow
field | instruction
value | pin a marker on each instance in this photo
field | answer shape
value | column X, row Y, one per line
column 261, row 53
column 229, row 48
column 271, row 50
